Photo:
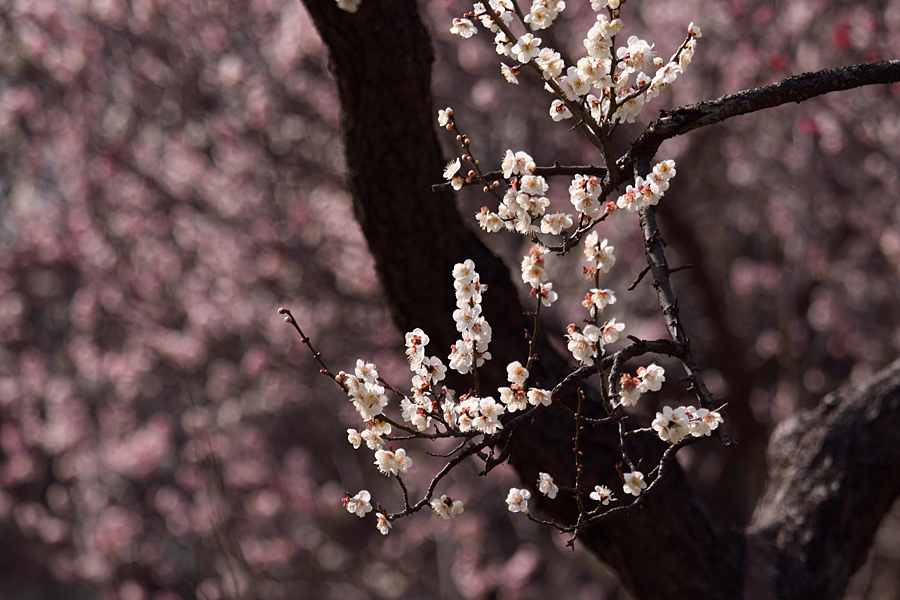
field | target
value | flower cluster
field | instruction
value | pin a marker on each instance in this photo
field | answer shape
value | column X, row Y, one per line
column 359, row 504
column 472, row 349
column 447, row 508
column 364, row 390
column 515, row 397
column 648, row 379
column 647, row 192
column 624, row 78
column 673, row 425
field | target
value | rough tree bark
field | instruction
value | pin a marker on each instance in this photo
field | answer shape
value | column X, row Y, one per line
column 834, row 469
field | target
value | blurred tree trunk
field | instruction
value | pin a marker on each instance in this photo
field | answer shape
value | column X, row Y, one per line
column 805, row 540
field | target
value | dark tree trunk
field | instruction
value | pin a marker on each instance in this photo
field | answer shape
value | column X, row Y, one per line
column 672, row 547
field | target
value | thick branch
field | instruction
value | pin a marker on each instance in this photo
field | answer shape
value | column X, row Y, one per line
column 835, row 471
column 793, row 89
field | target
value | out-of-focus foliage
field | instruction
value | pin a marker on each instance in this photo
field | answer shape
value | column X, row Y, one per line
column 170, row 175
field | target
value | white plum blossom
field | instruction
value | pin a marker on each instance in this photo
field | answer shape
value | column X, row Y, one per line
column 550, row 63
column 584, row 345
column 559, row 111
column 517, row 500
column 534, row 185
column 603, row 495
column 373, row 439
column 509, row 73
column 533, row 267
column 451, row 169
column 519, row 163
column 629, row 390
column 629, row 109
column 444, row 116
column 634, row 483
column 703, row 421
column 513, row 397
column 462, row 356
column 366, row 371
column 546, row 294
column 359, row 504
column 392, row 463
column 546, row 485
column 368, row 399
column 488, row 220
column 543, row 13
column 488, row 418
column 526, row 48
column 611, row 331
column 415, row 342
column 354, row 438
column 556, row 223
column 694, row 30
column 516, row 373
column 598, row 299
column 538, row 396
column 464, row 28
column 636, row 57
column 382, row 523
column 447, row 508
column 602, row 252
column 652, row 377
column 433, row 368
column 671, row 425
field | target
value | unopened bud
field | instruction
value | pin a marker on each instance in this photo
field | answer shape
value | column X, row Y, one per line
column 288, row 320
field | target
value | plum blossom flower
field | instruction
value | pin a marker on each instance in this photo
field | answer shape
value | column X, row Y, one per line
column 444, row 116
column 652, row 377
column 611, row 331
column 526, row 48
column 516, row 373
column 603, row 495
column 671, row 425
column 514, row 397
column 533, row 267
column 703, row 421
column 488, row 220
column 447, row 508
column 583, row 345
column 392, row 463
column 517, row 500
column 509, row 73
column 599, row 299
column 629, row 390
column 519, row 163
column 538, row 396
column 546, row 294
column 354, row 438
column 367, row 372
column 358, row 504
column 550, row 63
column 546, row 485
column 559, row 111
column 556, row 223
column 602, row 252
column 451, row 169
column 382, row 523
column 634, row 483
column 464, row 28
